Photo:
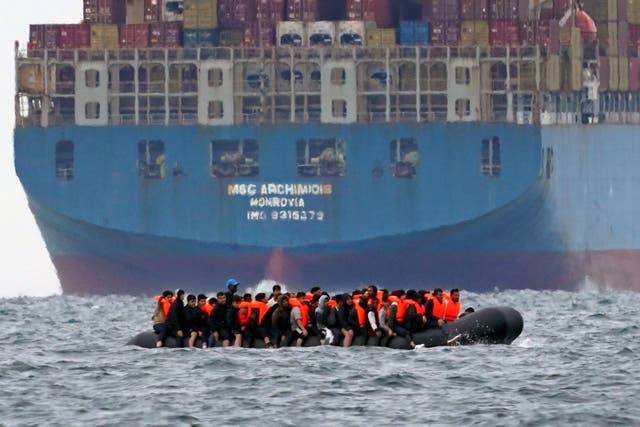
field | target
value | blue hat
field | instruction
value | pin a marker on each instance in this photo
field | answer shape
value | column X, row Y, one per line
column 232, row 282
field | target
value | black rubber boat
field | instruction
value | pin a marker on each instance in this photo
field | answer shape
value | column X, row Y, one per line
column 491, row 325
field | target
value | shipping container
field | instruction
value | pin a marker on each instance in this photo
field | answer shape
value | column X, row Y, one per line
column 320, row 33
column 134, row 36
column 504, row 33
column 74, row 36
column 474, row 33
column 504, row 10
column 231, row 38
column 165, row 34
column 383, row 12
column 172, row 10
column 290, row 33
column 474, row 10
column 534, row 33
column 381, row 37
column 303, row 10
column 104, row 36
column 236, row 13
column 601, row 10
column 633, row 11
column 634, row 39
column 440, row 10
column 260, row 34
column 44, row 36
column 634, row 74
column 414, row 33
column 351, row 33
column 623, row 73
column 445, row 33
column 270, row 10
column 152, row 10
column 199, row 38
column 603, row 73
column 105, row 11
column 200, row 14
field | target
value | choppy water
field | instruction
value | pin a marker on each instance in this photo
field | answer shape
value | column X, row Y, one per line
column 63, row 362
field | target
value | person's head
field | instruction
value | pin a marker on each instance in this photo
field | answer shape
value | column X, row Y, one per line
column 213, row 301
column 276, row 290
column 191, row 300
column 222, row 298
column 261, row 297
column 232, row 285
column 364, row 300
column 202, row 299
column 338, row 299
column 399, row 293
column 385, row 300
column 347, row 300
column 372, row 291
column 411, row 294
column 455, row 295
column 246, row 297
column 437, row 293
column 316, row 290
column 236, row 300
column 283, row 301
column 167, row 294
column 301, row 296
column 179, row 294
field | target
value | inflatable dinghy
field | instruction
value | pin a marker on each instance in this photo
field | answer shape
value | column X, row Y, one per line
column 491, row 325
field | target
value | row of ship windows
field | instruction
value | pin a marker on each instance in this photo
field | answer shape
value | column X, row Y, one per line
column 314, row 158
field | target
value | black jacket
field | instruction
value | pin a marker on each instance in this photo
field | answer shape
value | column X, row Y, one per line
column 177, row 321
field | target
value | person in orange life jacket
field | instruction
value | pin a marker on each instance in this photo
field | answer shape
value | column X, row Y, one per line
column 243, row 315
column 397, row 311
column 257, row 311
column 218, row 322
column 276, row 291
column 316, row 291
column 204, row 305
column 161, row 316
column 343, row 308
column 452, row 305
column 299, row 319
column 194, row 320
column 176, row 320
column 358, row 316
column 434, row 310
column 281, row 321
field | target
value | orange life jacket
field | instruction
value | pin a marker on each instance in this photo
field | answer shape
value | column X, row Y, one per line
column 438, row 308
column 332, row 303
column 416, row 306
column 243, row 313
column 451, row 309
column 261, row 307
column 206, row 308
column 400, row 309
column 362, row 315
column 304, row 310
column 166, row 304
column 308, row 296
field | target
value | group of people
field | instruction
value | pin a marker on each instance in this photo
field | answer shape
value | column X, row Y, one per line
column 285, row 319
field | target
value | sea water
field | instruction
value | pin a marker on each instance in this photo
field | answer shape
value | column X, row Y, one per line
column 64, row 362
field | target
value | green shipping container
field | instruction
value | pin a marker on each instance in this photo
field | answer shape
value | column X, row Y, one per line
column 200, row 38
column 200, row 14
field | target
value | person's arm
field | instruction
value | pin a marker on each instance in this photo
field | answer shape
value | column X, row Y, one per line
column 392, row 315
column 371, row 317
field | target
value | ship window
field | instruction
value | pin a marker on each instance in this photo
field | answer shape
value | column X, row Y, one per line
column 491, row 163
column 64, row 160
column 151, row 159
column 92, row 78
column 216, row 110
column 321, row 157
column 338, row 76
column 463, row 75
column 339, row 108
column 232, row 157
column 463, row 107
column 404, row 157
column 92, row 110
column 215, row 77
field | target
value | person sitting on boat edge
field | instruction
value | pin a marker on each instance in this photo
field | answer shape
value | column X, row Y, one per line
column 281, row 322
column 161, row 315
column 195, row 322
column 176, row 320
column 434, row 310
column 218, row 322
column 233, row 320
column 299, row 319
column 451, row 305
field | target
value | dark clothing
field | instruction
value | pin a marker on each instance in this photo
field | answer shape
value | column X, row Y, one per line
column 343, row 317
column 281, row 325
column 162, row 330
column 232, row 320
column 412, row 320
column 177, row 321
column 218, row 319
column 194, row 319
column 267, row 320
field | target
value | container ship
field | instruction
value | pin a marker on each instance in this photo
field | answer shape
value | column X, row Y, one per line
column 455, row 143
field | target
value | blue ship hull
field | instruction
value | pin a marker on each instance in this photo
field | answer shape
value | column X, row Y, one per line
column 548, row 221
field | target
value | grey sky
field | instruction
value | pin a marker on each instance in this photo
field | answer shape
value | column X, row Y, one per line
column 24, row 262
